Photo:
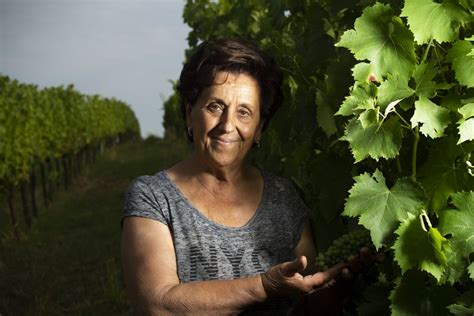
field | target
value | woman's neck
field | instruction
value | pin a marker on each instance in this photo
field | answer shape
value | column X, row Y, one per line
column 214, row 174
column 213, row 178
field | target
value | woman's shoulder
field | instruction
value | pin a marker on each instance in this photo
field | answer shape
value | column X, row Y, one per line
column 146, row 196
column 151, row 178
column 155, row 182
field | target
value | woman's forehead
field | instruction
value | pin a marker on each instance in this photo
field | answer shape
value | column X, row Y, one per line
column 234, row 85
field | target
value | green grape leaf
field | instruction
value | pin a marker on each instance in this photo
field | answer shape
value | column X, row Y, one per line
column 381, row 208
column 467, row 111
column 293, row 84
column 374, row 141
column 325, row 114
column 434, row 118
column 431, row 20
column 464, row 304
column 444, row 172
column 461, row 310
column 452, row 102
column 412, row 297
column 470, row 270
column 415, row 248
column 459, row 223
column 395, row 87
column 463, row 62
column 361, row 98
column 466, row 123
column 383, row 39
column 423, row 75
column 455, row 268
column 445, row 86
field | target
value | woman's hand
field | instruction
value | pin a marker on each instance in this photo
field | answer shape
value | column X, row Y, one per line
column 286, row 278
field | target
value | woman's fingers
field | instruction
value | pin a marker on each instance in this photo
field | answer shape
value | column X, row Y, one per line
column 365, row 258
column 288, row 269
column 355, row 264
column 346, row 274
column 321, row 278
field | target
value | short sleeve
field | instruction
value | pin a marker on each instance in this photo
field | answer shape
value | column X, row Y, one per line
column 299, row 212
column 141, row 201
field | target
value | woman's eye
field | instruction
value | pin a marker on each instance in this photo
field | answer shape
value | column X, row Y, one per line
column 244, row 113
column 213, row 107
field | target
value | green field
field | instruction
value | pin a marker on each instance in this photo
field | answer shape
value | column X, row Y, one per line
column 69, row 261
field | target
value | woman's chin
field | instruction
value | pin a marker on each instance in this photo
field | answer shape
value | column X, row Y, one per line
column 221, row 163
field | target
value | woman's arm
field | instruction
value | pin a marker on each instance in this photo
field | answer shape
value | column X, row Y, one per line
column 149, row 265
column 307, row 248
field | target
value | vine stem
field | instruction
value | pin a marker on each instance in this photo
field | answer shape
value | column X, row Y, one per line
column 399, row 165
column 300, row 71
column 416, row 136
column 425, row 55
column 288, row 70
column 403, row 120
column 439, row 63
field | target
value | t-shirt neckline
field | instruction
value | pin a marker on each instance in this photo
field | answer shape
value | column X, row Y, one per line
column 207, row 220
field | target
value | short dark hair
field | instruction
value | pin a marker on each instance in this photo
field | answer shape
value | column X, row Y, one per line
column 234, row 56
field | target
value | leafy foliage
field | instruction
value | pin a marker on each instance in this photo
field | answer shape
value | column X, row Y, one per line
column 413, row 297
column 37, row 125
column 466, row 123
column 383, row 39
column 416, row 248
column 445, row 171
column 459, row 223
column 381, row 208
column 432, row 118
column 374, row 140
column 432, row 20
column 463, row 62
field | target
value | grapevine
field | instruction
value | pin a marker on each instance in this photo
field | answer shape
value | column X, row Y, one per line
column 51, row 129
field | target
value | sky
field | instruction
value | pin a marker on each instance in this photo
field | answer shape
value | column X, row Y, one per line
column 127, row 49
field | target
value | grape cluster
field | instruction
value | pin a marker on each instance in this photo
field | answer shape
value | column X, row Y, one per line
column 342, row 248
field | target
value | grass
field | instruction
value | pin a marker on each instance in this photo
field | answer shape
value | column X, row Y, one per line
column 69, row 261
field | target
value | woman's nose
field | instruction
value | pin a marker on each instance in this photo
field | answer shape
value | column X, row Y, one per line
column 226, row 123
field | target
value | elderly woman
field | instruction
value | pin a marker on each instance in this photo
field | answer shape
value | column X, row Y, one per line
column 213, row 234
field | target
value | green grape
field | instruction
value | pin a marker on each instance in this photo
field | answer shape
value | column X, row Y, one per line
column 343, row 247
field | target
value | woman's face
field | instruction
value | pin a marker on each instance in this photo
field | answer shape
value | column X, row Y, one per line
column 226, row 119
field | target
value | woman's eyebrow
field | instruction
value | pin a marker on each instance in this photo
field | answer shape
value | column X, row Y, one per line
column 221, row 101
column 247, row 106
column 216, row 99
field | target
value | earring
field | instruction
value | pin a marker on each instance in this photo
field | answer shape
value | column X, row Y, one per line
column 190, row 131
column 257, row 142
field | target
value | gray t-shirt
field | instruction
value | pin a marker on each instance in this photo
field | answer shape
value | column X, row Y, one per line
column 206, row 250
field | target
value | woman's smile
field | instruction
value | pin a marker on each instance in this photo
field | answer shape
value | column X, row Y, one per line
column 224, row 141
